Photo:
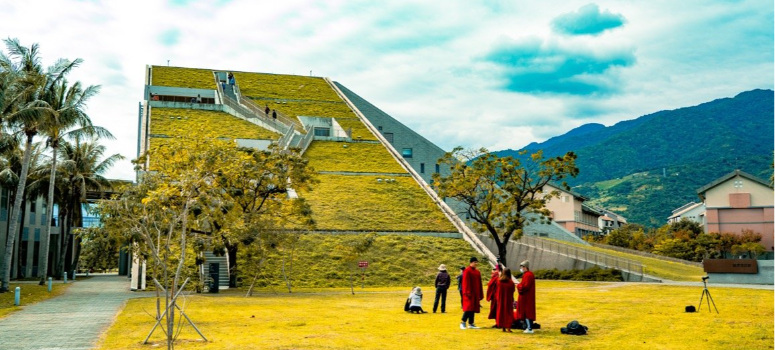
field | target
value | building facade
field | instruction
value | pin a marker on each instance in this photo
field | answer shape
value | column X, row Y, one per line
column 739, row 201
column 570, row 211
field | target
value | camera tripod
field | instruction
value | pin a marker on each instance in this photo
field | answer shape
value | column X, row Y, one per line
column 709, row 299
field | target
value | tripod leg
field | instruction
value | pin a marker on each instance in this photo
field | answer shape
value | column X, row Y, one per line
column 711, row 300
column 700, row 305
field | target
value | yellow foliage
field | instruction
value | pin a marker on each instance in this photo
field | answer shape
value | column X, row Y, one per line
column 193, row 78
column 361, row 203
column 619, row 316
column 351, row 157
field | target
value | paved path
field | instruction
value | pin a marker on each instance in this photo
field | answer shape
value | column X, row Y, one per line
column 71, row 321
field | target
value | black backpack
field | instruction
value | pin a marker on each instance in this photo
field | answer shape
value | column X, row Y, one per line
column 574, row 328
column 406, row 306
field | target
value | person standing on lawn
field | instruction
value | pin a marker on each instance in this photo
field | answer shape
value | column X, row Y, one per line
column 505, row 296
column 492, row 297
column 443, row 281
column 460, row 285
column 526, row 304
column 472, row 293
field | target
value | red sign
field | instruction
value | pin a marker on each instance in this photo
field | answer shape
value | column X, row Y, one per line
column 363, row 264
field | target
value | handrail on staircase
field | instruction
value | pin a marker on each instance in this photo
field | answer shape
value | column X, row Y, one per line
column 468, row 235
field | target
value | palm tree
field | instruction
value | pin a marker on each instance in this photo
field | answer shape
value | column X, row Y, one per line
column 81, row 169
column 66, row 118
column 23, row 115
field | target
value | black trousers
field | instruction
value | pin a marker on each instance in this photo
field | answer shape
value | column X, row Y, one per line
column 468, row 316
column 440, row 293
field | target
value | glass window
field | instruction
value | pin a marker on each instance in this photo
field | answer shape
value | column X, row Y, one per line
column 437, row 168
column 422, row 168
column 322, row 132
column 389, row 137
column 406, row 152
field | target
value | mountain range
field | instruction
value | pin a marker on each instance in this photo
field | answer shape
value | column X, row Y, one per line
column 645, row 167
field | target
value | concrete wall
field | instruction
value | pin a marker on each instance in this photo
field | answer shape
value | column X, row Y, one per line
column 543, row 259
column 424, row 153
column 766, row 275
column 718, row 196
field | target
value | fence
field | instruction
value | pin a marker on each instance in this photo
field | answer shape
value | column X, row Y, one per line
column 582, row 254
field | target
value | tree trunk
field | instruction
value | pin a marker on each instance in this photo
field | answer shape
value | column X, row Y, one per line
column 44, row 242
column 231, row 250
column 17, row 204
column 17, row 252
column 502, row 252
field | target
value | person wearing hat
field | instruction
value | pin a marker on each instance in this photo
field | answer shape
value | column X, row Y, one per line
column 526, row 304
column 472, row 293
column 442, row 284
column 415, row 301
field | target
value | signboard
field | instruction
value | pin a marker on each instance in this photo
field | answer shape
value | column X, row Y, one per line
column 730, row 265
column 363, row 264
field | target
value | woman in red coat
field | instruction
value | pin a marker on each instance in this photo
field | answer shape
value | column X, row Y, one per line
column 472, row 293
column 492, row 289
column 526, row 305
column 505, row 295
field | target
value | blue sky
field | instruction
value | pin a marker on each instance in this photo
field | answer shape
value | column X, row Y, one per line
column 495, row 74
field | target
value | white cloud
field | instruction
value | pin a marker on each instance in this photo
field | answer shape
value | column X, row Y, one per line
column 419, row 62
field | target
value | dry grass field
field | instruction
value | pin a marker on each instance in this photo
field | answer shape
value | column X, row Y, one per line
column 619, row 316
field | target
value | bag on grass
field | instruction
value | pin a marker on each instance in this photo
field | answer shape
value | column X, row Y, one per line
column 406, row 306
column 574, row 328
column 690, row 308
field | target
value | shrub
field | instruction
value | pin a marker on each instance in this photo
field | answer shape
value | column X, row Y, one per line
column 192, row 78
column 594, row 273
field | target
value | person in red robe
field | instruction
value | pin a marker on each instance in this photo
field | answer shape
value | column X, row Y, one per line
column 492, row 288
column 505, row 295
column 526, row 304
column 472, row 293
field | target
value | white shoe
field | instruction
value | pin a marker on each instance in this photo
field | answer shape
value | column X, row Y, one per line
column 528, row 331
column 473, row 326
column 462, row 325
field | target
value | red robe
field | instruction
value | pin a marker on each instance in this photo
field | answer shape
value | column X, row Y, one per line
column 472, row 289
column 526, row 305
column 492, row 289
column 505, row 314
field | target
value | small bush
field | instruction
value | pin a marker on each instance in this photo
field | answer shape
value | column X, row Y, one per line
column 591, row 274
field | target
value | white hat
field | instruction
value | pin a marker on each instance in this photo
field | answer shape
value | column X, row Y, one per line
column 417, row 291
column 442, row 267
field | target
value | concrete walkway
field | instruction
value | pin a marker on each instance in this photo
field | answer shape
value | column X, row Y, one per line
column 71, row 321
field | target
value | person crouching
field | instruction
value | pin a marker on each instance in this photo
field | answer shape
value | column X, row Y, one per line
column 415, row 301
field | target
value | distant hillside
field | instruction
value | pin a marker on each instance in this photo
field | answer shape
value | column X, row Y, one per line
column 650, row 165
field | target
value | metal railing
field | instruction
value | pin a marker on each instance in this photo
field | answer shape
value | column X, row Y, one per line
column 582, row 254
column 468, row 235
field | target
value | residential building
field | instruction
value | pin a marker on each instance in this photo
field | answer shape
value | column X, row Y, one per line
column 570, row 211
column 610, row 221
column 739, row 201
column 690, row 211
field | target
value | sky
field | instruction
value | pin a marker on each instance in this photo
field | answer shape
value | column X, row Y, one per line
column 493, row 74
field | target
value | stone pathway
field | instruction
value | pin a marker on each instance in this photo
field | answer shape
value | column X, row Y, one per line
column 71, row 321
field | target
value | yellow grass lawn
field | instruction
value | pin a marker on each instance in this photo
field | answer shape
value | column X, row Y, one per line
column 619, row 316
column 30, row 293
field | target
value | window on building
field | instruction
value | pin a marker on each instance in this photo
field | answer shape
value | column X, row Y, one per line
column 33, row 205
column 565, row 199
column 389, row 137
column 437, row 168
column 325, row 132
column 422, row 168
column 379, row 127
column 406, row 152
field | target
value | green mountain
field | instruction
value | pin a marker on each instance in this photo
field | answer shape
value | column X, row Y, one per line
column 646, row 167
